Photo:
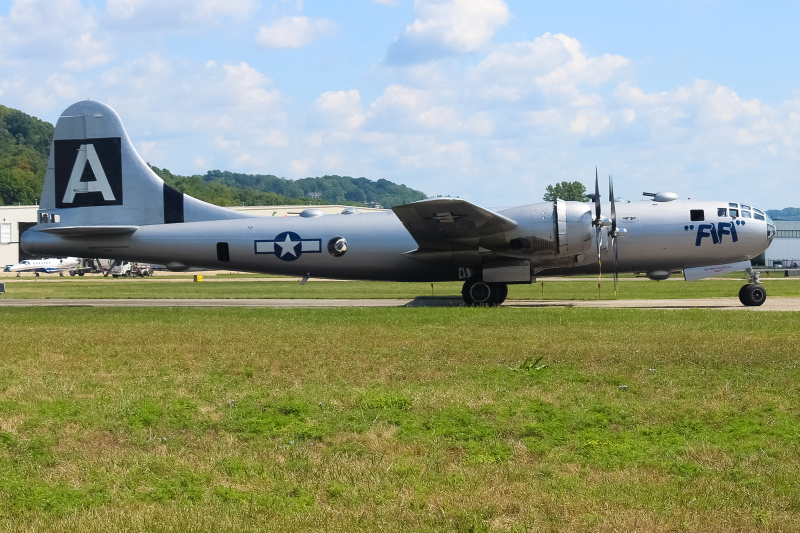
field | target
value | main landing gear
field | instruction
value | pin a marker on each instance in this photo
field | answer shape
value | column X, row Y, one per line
column 753, row 294
column 479, row 293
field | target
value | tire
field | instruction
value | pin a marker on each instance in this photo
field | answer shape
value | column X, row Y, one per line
column 752, row 294
column 72, row 272
column 479, row 293
column 81, row 273
column 115, row 276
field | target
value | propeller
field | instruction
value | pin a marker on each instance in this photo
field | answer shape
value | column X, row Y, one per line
column 597, row 221
column 614, row 231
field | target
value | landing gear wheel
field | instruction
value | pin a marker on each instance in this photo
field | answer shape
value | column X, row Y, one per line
column 478, row 293
column 752, row 294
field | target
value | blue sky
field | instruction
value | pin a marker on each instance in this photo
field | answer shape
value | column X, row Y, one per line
column 489, row 100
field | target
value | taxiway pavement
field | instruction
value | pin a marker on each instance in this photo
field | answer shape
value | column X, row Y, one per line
column 775, row 303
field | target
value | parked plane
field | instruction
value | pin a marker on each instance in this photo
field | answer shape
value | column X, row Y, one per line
column 48, row 266
column 100, row 199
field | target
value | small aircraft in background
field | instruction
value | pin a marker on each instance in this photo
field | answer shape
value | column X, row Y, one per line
column 100, row 199
column 47, row 266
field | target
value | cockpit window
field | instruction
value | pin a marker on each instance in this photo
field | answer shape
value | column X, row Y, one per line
column 758, row 217
column 734, row 205
column 759, row 211
column 745, row 206
column 746, row 214
column 733, row 212
column 722, row 212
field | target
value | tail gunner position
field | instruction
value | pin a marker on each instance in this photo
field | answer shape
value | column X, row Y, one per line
column 100, row 199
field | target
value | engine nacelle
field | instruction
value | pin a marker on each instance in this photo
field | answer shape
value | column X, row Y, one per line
column 551, row 230
column 573, row 227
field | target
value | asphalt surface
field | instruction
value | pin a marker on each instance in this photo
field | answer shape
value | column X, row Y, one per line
column 772, row 304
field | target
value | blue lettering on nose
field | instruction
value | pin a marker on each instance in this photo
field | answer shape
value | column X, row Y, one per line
column 706, row 230
column 727, row 228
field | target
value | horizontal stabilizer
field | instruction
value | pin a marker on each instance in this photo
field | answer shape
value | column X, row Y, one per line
column 89, row 231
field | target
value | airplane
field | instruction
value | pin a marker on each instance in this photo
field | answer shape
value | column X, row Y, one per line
column 100, row 199
column 48, row 266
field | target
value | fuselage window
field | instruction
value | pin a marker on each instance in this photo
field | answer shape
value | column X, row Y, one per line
column 697, row 215
column 734, row 212
column 722, row 212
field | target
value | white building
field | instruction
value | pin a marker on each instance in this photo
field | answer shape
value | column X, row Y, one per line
column 785, row 247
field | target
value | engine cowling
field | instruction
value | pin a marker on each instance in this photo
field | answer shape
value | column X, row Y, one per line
column 573, row 223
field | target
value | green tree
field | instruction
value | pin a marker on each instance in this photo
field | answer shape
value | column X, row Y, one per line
column 566, row 191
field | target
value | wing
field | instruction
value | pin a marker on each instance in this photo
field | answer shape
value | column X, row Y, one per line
column 450, row 224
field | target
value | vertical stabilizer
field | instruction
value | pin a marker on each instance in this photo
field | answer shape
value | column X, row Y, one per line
column 95, row 177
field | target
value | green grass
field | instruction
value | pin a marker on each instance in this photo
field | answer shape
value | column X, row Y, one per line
column 399, row 419
column 542, row 289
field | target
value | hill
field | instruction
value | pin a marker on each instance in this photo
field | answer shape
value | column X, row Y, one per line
column 787, row 213
column 25, row 145
column 329, row 189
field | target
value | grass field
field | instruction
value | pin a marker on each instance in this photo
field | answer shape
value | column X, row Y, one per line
column 399, row 419
column 582, row 289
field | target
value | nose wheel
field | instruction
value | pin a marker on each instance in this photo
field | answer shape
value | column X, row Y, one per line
column 753, row 294
column 479, row 293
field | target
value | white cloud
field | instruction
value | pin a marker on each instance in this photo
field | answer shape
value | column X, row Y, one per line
column 445, row 27
column 295, row 32
column 340, row 109
column 552, row 65
column 150, row 14
column 52, row 35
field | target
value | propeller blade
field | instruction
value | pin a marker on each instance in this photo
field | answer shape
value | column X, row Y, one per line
column 616, row 260
column 612, row 233
column 597, row 215
column 596, row 198
column 613, row 207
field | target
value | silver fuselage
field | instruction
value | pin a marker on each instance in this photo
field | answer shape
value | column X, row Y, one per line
column 660, row 236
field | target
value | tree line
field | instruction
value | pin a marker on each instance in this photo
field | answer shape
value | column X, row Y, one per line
column 25, row 145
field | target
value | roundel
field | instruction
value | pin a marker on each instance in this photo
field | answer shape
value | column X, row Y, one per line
column 288, row 246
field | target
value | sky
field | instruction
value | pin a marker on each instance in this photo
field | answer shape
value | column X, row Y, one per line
column 487, row 100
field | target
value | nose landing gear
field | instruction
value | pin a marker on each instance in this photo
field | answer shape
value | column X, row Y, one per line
column 753, row 294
